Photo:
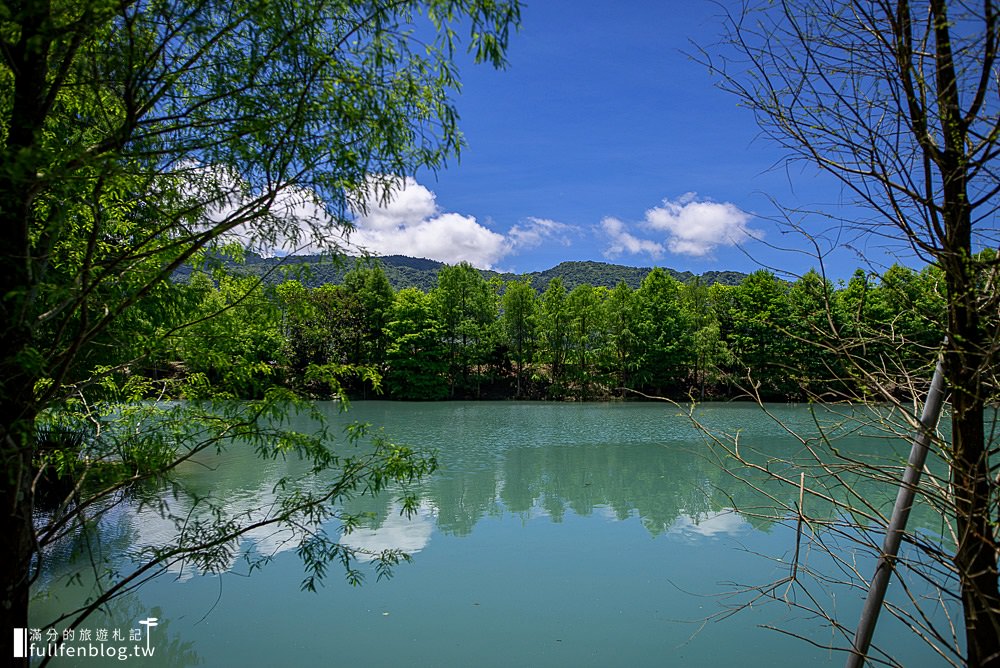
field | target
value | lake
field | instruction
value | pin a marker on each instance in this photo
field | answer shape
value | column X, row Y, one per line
column 586, row 534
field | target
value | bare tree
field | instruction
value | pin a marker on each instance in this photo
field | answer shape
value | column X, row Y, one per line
column 900, row 101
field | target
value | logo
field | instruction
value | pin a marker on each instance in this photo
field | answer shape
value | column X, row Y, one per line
column 32, row 643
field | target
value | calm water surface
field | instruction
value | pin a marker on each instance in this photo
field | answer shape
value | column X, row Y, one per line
column 552, row 535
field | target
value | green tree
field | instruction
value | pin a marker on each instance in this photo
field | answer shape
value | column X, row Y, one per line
column 372, row 289
column 755, row 324
column 417, row 357
column 137, row 137
column 555, row 333
column 814, row 363
column 519, row 316
column 892, row 322
column 468, row 312
column 586, row 334
column 916, row 303
column 324, row 339
column 236, row 340
column 664, row 333
column 300, row 338
column 708, row 350
column 621, row 317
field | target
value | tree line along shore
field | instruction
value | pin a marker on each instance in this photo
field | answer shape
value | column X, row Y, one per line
column 472, row 337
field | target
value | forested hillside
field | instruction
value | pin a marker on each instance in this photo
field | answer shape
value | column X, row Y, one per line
column 469, row 336
column 602, row 274
column 409, row 272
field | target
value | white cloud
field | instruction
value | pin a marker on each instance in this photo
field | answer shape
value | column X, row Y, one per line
column 697, row 227
column 450, row 238
column 693, row 227
column 409, row 222
column 306, row 226
column 621, row 241
column 291, row 218
column 408, row 202
column 391, row 216
column 536, row 231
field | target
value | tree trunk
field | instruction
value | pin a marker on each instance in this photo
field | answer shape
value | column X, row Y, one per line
column 17, row 416
column 976, row 553
column 966, row 361
column 18, row 373
column 15, row 525
column 975, row 557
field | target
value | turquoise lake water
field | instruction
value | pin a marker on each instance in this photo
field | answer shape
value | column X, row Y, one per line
column 551, row 535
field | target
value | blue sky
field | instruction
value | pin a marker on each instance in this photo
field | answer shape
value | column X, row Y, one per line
column 603, row 140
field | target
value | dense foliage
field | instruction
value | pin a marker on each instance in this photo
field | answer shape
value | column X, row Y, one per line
column 140, row 137
column 469, row 337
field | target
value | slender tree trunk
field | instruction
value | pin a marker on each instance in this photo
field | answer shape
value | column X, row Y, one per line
column 520, row 370
column 15, row 523
column 18, row 175
column 17, row 416
column 966, row 359
column 976, row 553
column 975, row 557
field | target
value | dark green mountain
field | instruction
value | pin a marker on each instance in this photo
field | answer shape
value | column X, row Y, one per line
column 610, row 275
column 407, row 272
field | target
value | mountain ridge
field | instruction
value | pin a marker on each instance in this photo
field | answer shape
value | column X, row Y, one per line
column 404, row 271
